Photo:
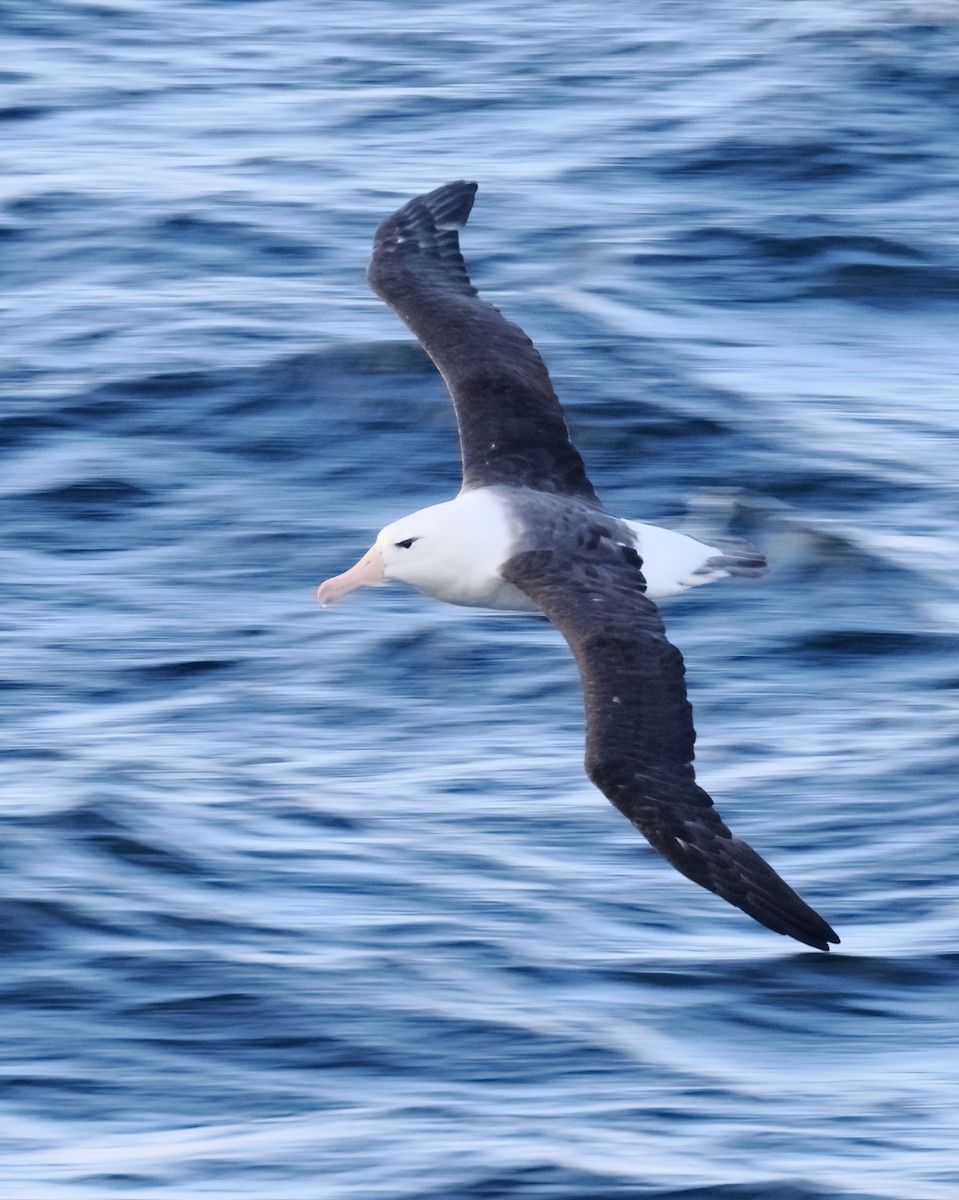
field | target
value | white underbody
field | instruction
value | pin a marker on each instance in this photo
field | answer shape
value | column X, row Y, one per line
column 458, row 547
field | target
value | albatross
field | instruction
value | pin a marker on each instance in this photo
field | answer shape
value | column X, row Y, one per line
column 527, row 532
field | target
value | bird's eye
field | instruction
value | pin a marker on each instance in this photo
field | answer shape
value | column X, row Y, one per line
column 406, row 543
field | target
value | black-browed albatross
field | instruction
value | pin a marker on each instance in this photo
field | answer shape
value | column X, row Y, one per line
column 527, row 532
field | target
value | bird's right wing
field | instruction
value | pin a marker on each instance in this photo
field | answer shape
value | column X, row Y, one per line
column 639, row 732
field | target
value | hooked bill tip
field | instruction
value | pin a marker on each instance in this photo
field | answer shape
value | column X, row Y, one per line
column 368, row 570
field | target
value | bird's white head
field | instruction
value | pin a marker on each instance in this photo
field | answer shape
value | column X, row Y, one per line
column 450, row 551
column 417, row 550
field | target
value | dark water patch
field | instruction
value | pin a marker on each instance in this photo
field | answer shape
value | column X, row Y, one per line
column 173, row 671
column 571, row 1183
column 829, row 246
column 198, row 240
column 168, row 385
column 87, row 818
column 214, row 1027
column 744, row 266
column 882, row 284
column 23, row 112
column 328, row 409
column 34, row 925
column 99, row 499
column 28, row 753
column 635, row 422
column 768, row 1190
column 51, row 203
column 135, row 852
column 471, row 1047
column 765, row 163
column 37, row 995
column 799, row 982
column 875, row 643
column 23, row 927
column 209, row 928
column 25, row 1086
column 558, row 1183
column 926, row 70
column 58, row 20
column 120, row 1181
column 832, row 487
column 235, row 1007
column 317, row 817
column 112, row 838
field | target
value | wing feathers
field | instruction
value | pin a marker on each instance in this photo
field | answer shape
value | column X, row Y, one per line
column 639, row 733
column 512, row 429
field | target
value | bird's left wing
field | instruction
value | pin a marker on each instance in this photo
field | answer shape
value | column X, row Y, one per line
column 511, row 426
column 639, row 732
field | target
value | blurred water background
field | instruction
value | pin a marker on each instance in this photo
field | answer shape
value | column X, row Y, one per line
column 319, row 905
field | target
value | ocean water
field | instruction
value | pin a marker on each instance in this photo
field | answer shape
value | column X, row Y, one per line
column 319, row 905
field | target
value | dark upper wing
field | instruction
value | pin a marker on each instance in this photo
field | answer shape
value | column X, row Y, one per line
column 639, row 733
column 511, row 425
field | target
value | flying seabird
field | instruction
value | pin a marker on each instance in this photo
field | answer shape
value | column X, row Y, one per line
column 527, row 532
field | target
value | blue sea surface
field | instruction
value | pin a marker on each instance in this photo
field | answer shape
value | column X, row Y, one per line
column 318, row 904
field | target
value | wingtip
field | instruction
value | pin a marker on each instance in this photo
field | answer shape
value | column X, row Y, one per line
column 424, row 219
column 467, row 185
column 738, row 874
column 825, row 943
column 450, row 204
column 832, row 939
column 765, row 896
column 799, row 922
